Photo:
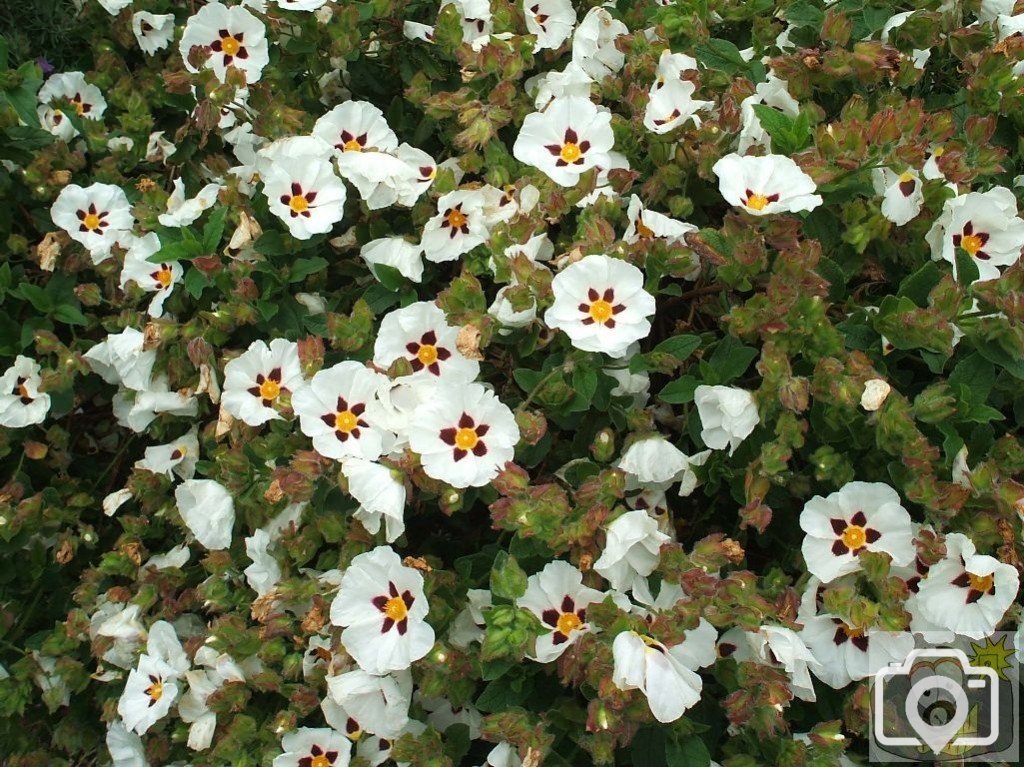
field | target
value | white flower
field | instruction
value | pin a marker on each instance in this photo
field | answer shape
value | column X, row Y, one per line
column 208, row 511
column 567, row 139
column 264, row 572
column 21, row 402
column 86, row 99
column 631, row 549
column 860, row 516
column 475, row 18
column 846, row 653
column 506, row 315
column 122, row 360
column 967, row 592
column 305, row 194
column 96, row 216
column 653, row 461
column 381, row 496
column 593, row 44
column 413, row 30
column 254, row 381
column 148, row 694
column 136, row 410
column 301, row 5
column 423, row 171
column 464, row 436
column 151, row 277
column 601, row 304
column 616, row 161
column 772, row 92
column 378, row 705
column 339, row 410
column 309, row 747
column 902, row 194
column 571, row 81
column 182, row 211
column 441, row 715
column 727, row 415
column 773, row 646
column 875, row 393
column 177, row 557
column 125, row 747
column 356, row 126
column 672, row 106
column 558, row 597
column 468, row 626
column 552, row 21
column 985, row 225
column 397, row 253
column 666, row 675
column 232, row 37
column 376, row 751
column 383, row 609
column 153, row 31
column 420, row 333
column 177, row 457
column 765, row 185
column 459, row 226
column 503, row 755
column 158, row 148
column 647, row 224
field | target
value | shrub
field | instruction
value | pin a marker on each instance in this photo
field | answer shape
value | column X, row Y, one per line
column 512, row 383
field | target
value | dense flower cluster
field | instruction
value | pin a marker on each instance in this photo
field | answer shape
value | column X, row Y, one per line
column 505, row 383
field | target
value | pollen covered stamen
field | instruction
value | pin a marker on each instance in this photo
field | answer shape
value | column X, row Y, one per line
column 466, row 439
column 567, row 623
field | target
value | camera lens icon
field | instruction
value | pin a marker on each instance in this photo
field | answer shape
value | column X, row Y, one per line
column 934, row 693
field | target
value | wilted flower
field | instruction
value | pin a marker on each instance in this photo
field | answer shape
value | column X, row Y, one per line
column 631, row 549
column 727, row 416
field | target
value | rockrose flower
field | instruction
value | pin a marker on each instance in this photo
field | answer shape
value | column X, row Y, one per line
column 96, row 216
column 552, row 21
column 305, row 194
column 673, row 105
column 149, row 693
column 727, row 415
column 631, row 549
column 765, row 185
column 985, row 225
column 383, row 609
column 567, row 139
column 86, row 99
column 314, row 747
column 232, row 37
column 593, row 44
column 254, row 381
column 356, row 126
column 459, row 226
column 208, row 511
column 902, row 193
column 665, row 674
column 153, row 31
column 397, row 253
column 420, row 333
column 859, row 517
column 151, row 277
column 558, row 597
column 381, row 496
column 967, row 592
column 21, row 402
column 340, row 411
column 601, row 304
column 464, row 435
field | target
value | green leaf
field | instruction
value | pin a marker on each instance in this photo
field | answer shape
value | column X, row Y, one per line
column 804, row 14
column 70, row 315
column 195, row 282
column 214, row 229
column 919, row 284
column 687, row 752
column 649, row 747
column 584, row 381
column 303, row 267
column 966, row 269
column 508, row 579
column 35, row 295
column 679, row 391
column 731, row 359
column 389, row 277
column 721, row 55
column 680, row 347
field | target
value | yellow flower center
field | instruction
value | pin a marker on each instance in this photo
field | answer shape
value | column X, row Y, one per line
column 906, row 176
column 79, row 107
column 270, row 389
column 164, row 277
column 156, row 690
column 938, row 152
column 345, row 421
column 299, row 203
column 980, row 583
column 352, row 146
column 568, row 622
column 601, row 311
column 757, row 201
column 456, row 219
column 395, row 609
column 466, row 439
column 643, row 230
column 320, row 761
column 852, row 631
column 971, row 243
column 854, row 536
column 427, row 354
column 571, row 152
column 230, row 45
column 91, row 221
column 22, row 390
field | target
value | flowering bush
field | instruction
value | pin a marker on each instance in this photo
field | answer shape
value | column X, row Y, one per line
column 507, row 383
